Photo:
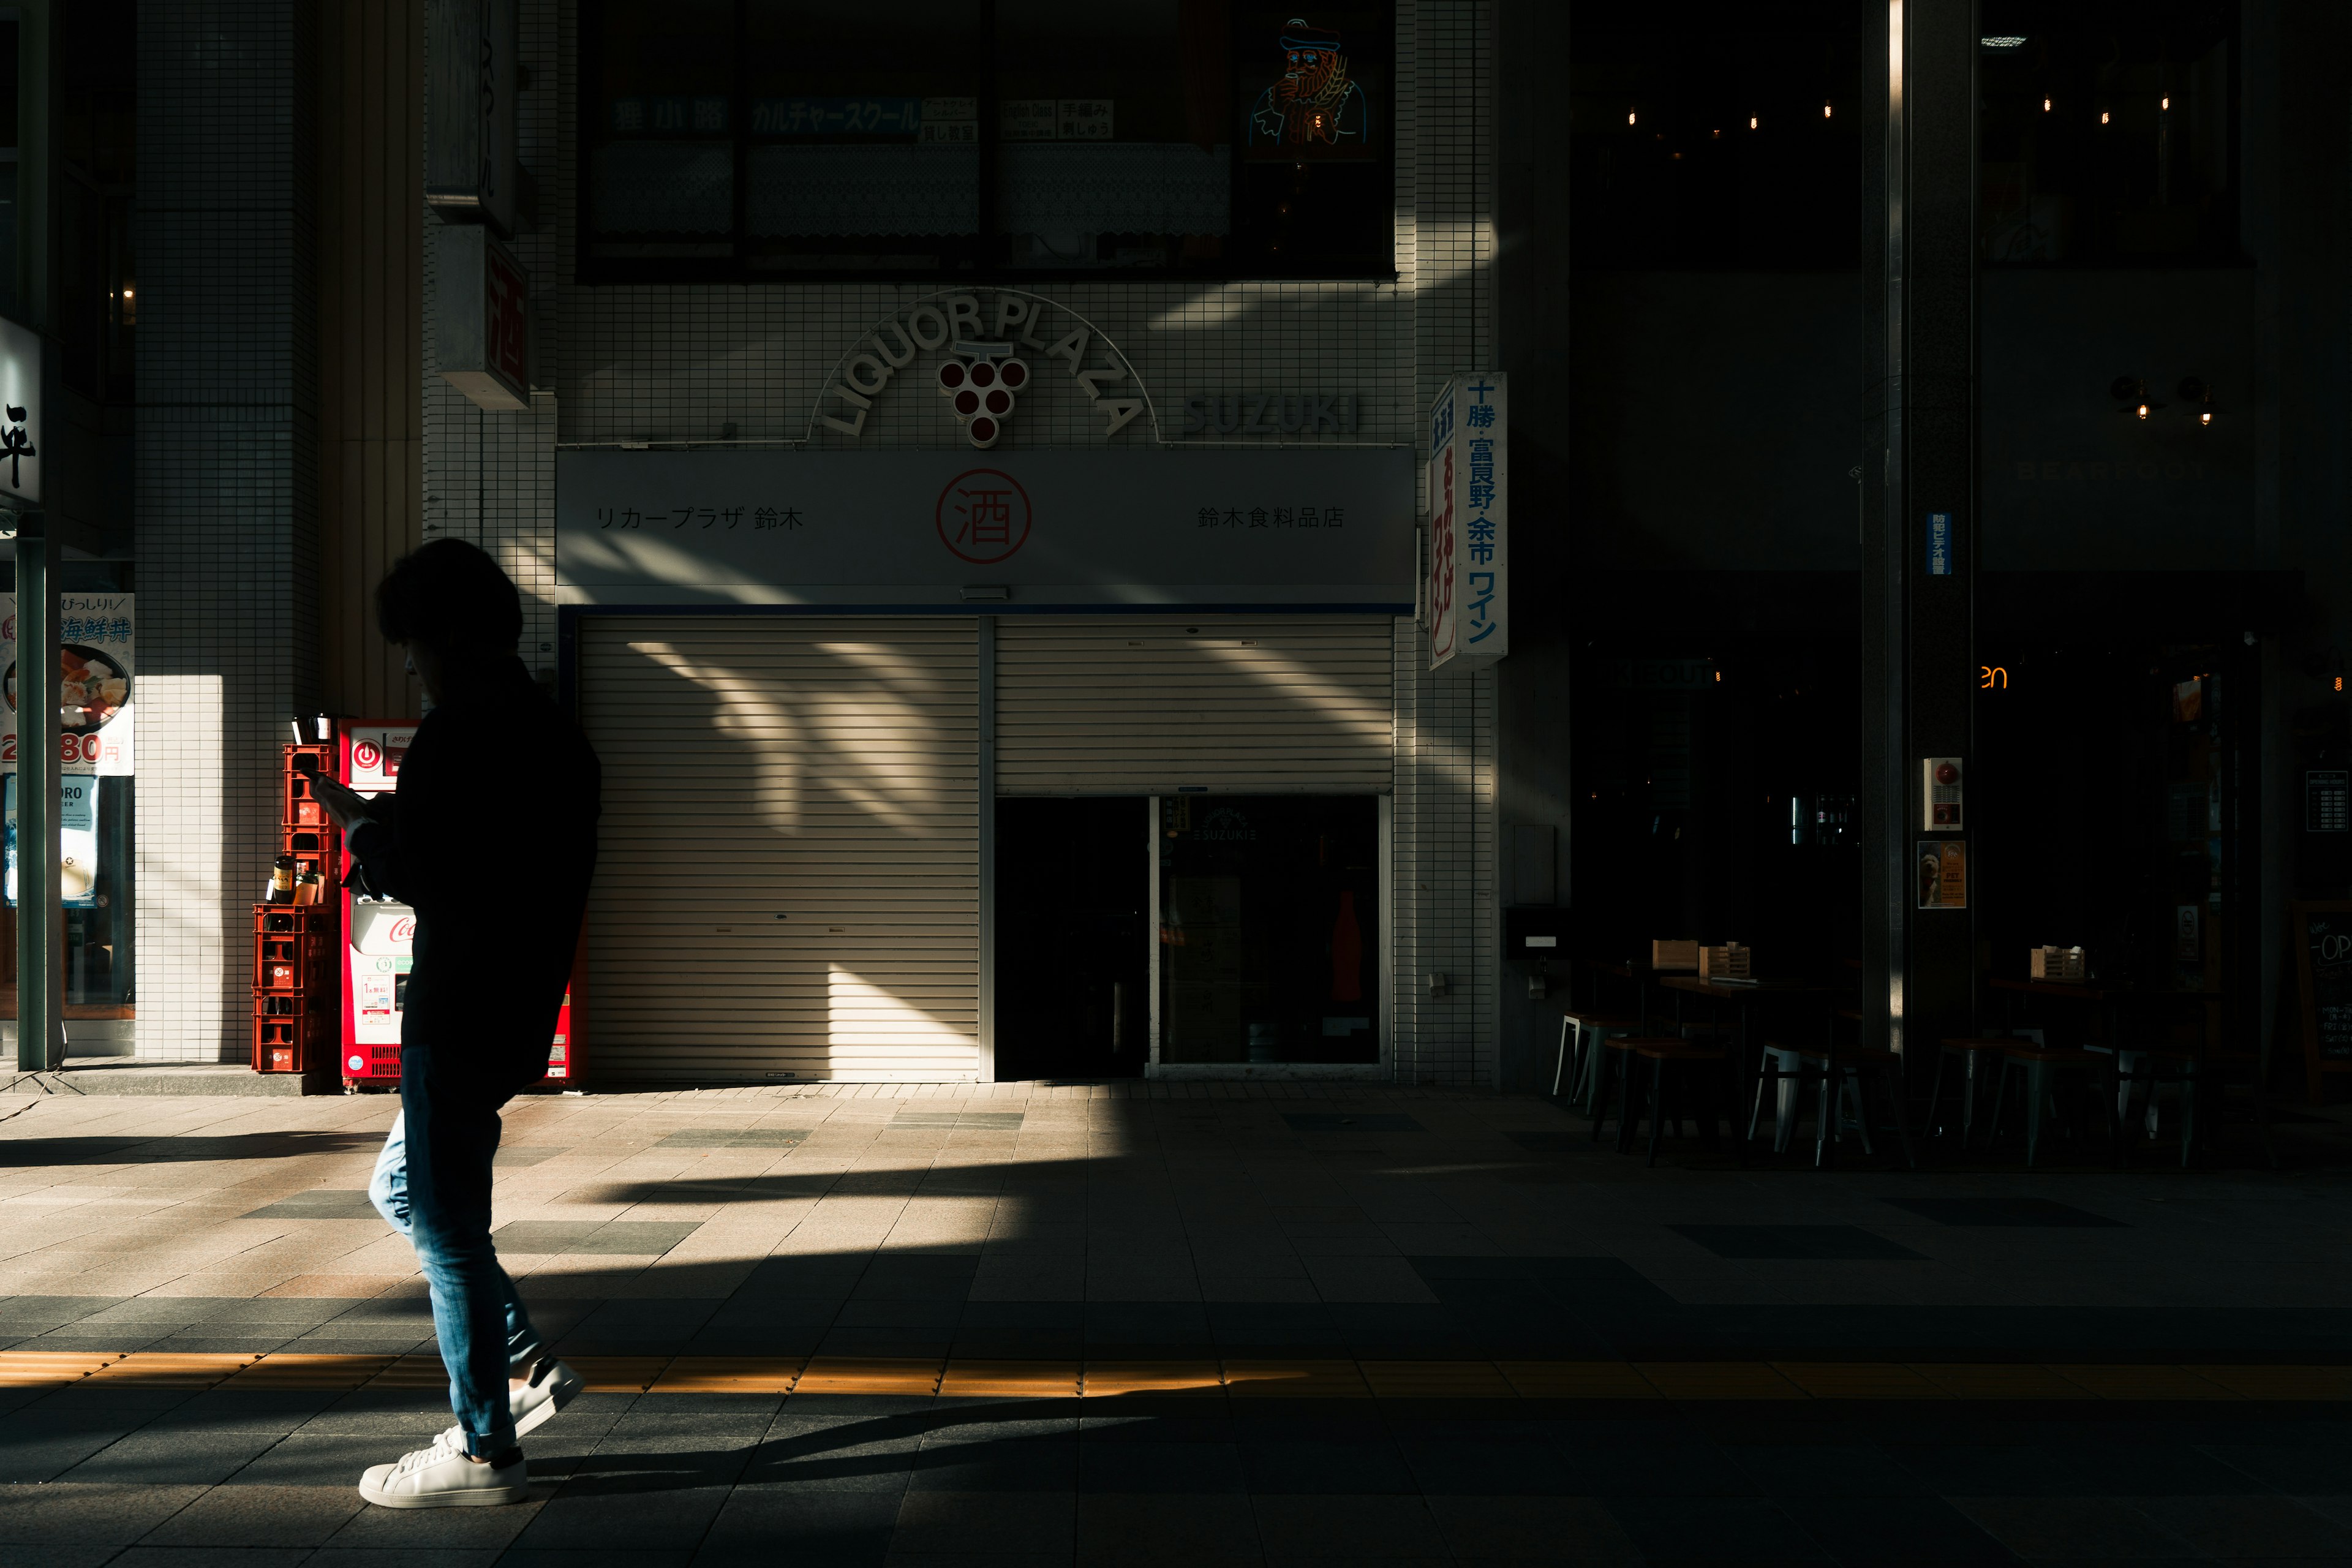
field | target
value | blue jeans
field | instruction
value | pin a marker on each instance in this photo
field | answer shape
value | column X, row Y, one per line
column 432, row 1184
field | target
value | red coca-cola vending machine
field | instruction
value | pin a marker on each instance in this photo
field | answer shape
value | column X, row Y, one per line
column 381, row 934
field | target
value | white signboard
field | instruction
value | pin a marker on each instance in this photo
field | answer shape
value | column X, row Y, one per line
column 21, row 434
column 1469, row 527
column 97, row 636
column 1059, row 526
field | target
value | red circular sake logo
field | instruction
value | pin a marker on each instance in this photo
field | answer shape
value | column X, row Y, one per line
column 984, row 515
column 365, row 755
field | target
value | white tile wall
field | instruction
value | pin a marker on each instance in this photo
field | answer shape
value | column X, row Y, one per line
column 683, row 364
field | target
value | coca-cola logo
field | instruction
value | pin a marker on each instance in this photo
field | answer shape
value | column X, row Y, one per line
column 404, row 929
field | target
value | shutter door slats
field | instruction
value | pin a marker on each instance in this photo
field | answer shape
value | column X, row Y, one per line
column 823, row 770
column 1123, row 705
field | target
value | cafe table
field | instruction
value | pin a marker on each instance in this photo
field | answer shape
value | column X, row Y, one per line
column 1746, row 997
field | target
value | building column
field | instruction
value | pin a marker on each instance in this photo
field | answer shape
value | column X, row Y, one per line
column 1919, row 509
column 225, row 492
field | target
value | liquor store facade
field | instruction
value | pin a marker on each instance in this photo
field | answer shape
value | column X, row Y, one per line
column 971, row 765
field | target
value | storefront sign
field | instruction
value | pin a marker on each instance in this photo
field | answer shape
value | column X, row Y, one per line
column 482, row 324
column 977, row 329
column 1131, row 526
column 1469, row 587
column 471, row 167
column 97, row 634
column 20, row 399
column 1269, row 414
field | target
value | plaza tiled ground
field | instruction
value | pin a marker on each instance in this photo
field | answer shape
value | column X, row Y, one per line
column 1973, row 1364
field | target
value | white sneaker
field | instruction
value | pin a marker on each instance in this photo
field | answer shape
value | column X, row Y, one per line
column 442, row 1476
column 553, row 1384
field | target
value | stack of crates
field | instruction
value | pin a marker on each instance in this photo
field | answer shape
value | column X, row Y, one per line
column 296, row 1011
column 297, row 997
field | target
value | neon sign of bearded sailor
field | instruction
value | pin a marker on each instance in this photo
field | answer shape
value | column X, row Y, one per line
column 1313, row 105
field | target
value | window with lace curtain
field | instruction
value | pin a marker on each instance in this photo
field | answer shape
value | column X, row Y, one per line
column 732, row 139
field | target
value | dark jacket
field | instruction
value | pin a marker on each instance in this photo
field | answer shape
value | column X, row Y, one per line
column 491, row 839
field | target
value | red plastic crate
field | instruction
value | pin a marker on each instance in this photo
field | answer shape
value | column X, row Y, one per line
column 288, row 1032
column 301, row 807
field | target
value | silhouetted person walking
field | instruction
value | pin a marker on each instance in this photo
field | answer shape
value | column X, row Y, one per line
column 491, row 839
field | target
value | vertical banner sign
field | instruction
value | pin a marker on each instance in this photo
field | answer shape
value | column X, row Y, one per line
column 1939, row 544
column 471, row 168
column 20, row 400
column 96, row 653
column 481, row 328
column 1468, row 590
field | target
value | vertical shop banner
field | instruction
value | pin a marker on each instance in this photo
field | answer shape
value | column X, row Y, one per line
column 97, row 657
column 1468, row 591
column 77, row 842
column 20, row 398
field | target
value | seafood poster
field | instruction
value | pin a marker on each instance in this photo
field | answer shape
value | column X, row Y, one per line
column 96, row 660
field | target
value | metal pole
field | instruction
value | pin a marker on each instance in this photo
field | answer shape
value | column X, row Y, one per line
column 40, row 1047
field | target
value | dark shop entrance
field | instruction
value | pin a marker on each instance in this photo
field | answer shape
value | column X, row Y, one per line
column 1073, row 952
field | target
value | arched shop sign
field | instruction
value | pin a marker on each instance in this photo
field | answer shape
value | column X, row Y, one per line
column 970, row 350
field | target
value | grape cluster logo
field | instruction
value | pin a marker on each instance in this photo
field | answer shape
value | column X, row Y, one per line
column 983, row 383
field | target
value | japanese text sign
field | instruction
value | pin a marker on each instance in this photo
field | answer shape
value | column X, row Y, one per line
column 1058, row 526
column 481, row 332
column 1468, row 591
column 20, row 399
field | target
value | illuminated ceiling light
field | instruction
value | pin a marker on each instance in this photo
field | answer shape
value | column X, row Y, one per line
column 2045, row 106
column 2143, row 410
column 1825, row 111
column 2194, row 390
column 2003, row 41
column 2103, row 117
column 1751, row 122
column 1630, row 117
column 2165, row 104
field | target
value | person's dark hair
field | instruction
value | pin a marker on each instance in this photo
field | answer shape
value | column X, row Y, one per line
column 449, row 595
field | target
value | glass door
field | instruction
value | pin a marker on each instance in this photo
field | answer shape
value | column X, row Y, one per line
column 1269, row 917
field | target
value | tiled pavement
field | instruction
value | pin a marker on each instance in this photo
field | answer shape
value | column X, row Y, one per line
column 1346, row 1239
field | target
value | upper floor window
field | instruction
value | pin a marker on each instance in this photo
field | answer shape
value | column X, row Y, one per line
column 2108, row 135
column 1716, row 135
column 782, row 138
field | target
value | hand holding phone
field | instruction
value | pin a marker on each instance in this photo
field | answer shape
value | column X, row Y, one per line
column 346, row 806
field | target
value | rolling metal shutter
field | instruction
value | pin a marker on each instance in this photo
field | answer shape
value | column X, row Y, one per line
column 1152, row 705
column 789, row 880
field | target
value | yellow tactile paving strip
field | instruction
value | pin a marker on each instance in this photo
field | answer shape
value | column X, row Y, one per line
column 1540, row 1379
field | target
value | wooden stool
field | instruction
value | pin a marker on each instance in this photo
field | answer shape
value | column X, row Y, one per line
column 1578, row 1055
column 2038, row 1070
column 1855, row 1069
column 2137, row 1065
column 1967, row 1052
column 1661, row 1054
column 1613, row 1060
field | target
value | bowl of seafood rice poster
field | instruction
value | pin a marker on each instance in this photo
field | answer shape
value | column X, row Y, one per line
column 97, row 682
